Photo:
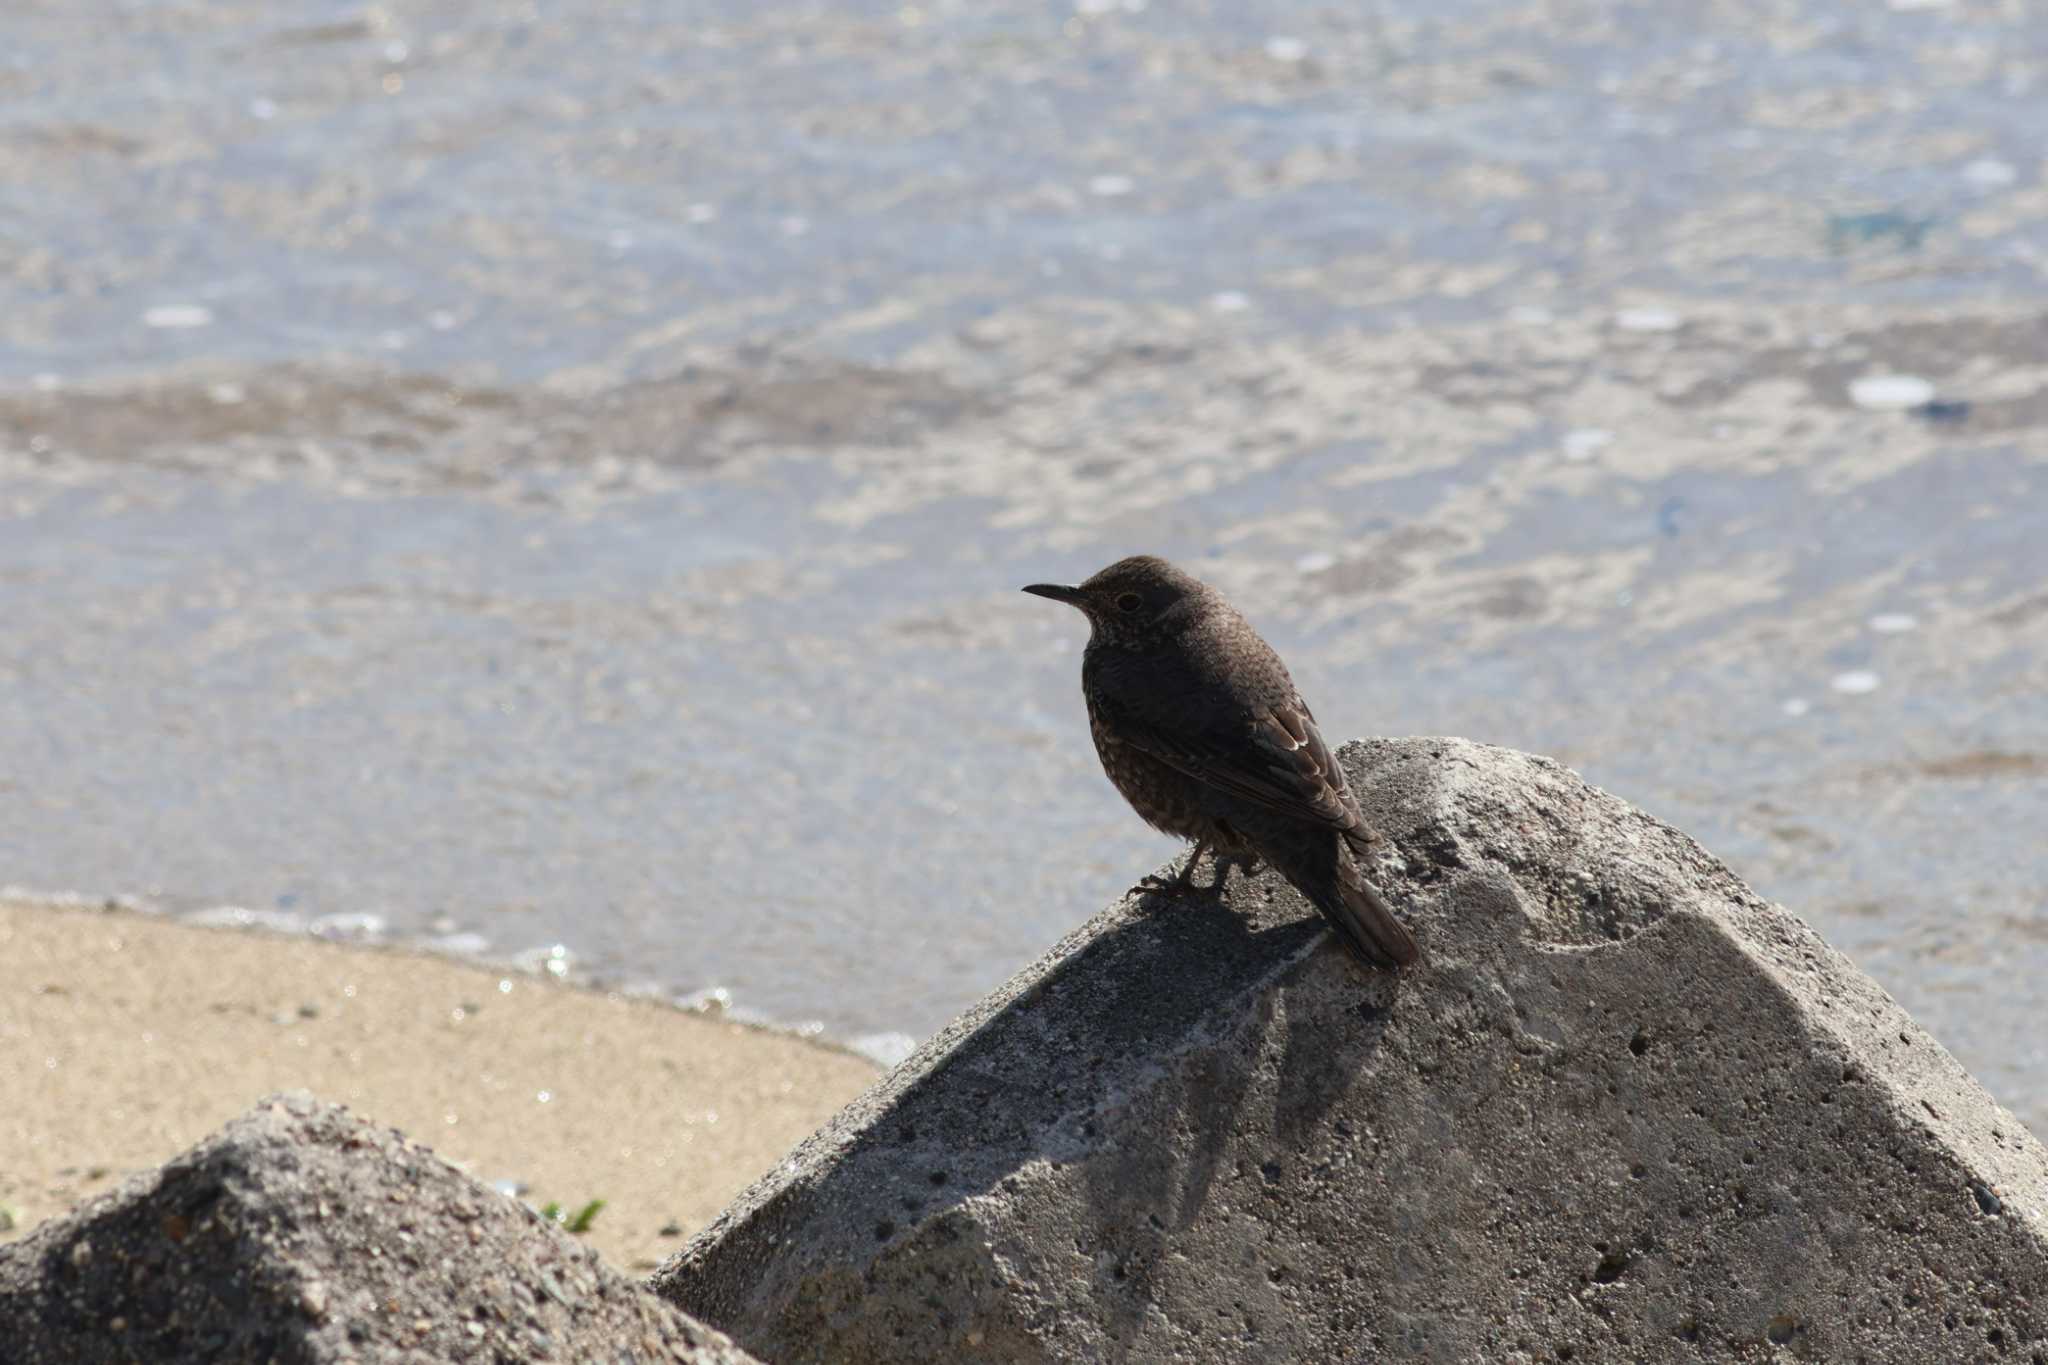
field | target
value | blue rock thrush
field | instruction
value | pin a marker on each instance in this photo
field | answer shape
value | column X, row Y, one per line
column 1200, row 727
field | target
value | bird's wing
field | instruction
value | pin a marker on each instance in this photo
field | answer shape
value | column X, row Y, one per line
column 1277, row 759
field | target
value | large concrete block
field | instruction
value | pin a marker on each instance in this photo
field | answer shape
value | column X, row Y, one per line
column 302, row 1234
column 1627, row 1111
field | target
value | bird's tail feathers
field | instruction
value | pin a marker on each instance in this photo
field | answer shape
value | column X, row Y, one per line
column 1356, row 907
column 1364, row 840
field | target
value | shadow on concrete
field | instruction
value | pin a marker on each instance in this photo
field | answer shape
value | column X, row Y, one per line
column 1147, row 996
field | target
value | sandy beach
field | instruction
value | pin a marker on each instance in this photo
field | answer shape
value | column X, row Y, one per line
column 124, row 1038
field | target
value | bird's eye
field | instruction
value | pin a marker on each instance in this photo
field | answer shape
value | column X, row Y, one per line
column 1128, row 601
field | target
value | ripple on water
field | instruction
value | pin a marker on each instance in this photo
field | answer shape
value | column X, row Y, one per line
column 1889, row 392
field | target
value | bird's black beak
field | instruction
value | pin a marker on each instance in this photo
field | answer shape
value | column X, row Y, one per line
column 1058, row 592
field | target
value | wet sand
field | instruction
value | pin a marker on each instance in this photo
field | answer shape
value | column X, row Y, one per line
column 124, row 1038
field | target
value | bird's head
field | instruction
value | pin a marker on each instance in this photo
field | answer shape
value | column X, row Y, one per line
column 1132, row 601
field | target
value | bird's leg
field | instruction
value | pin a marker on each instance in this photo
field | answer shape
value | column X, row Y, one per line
column 1232, row 849
column 1184, row 880
column 1244, row 861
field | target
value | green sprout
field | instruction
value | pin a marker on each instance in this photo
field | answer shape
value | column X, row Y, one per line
column 578, row 1222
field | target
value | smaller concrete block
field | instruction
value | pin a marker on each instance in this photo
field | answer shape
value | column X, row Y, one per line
column 300, row 1233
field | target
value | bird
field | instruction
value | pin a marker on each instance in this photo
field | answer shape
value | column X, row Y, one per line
column 1200, row 727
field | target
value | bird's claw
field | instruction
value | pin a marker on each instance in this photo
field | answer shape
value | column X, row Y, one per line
column 1181, row 882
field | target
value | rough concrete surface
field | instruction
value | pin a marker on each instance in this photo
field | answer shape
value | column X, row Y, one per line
column 1626, row 1111
column 300, row 1233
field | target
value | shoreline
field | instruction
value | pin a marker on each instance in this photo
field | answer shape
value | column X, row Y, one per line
column 881, row 1049
column 128, row 1035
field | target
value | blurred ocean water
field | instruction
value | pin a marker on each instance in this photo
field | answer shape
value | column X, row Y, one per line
column 528, row 474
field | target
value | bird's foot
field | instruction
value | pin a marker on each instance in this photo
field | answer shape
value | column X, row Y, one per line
column 1183, row 881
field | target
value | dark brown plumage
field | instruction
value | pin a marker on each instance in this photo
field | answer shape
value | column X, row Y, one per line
column 1200, row 728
